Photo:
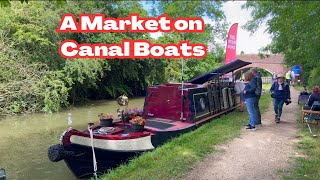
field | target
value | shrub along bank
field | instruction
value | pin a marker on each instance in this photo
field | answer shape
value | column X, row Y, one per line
column 34, row 77
column 306, row 166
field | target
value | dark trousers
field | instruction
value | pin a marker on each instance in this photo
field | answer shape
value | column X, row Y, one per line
column 257, row 110
column 288, row 81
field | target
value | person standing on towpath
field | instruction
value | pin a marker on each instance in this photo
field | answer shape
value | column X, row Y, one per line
column 250, row 99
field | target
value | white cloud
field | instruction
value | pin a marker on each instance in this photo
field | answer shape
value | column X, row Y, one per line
column 249, row 44
column 245, row 42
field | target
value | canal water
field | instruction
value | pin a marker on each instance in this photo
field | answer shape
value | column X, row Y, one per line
column 24, row 140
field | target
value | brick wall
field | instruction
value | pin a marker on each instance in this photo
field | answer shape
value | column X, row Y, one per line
column 273, row 63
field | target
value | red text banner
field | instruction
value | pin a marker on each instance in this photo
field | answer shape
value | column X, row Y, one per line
column 231, row 44
column 131, row 49
column 98, row 23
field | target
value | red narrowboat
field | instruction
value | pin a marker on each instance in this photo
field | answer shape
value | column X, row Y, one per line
column 169, row 110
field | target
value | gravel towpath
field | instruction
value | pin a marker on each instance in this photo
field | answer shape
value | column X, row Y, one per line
column 261, row 154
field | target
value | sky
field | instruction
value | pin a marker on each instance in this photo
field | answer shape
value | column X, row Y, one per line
column 249, row 44
column 245, row 42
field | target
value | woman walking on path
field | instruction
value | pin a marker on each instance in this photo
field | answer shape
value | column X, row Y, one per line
column 280, row 92
column 250, row 99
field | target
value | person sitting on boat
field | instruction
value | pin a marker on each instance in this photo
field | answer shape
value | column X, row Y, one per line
column 315, row 96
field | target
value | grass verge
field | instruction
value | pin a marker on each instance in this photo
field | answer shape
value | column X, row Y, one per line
column 306, row 166
column 177, row 156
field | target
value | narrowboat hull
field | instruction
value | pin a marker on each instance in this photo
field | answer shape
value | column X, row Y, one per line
column 170, row 110
column 81, row 164
column 78, row 156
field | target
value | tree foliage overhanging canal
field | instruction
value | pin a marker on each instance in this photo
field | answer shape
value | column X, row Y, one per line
column 33, row 76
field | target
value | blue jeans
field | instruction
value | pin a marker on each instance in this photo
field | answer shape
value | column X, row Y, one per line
column 257, row 109
column 250, row 102
column 277, row 105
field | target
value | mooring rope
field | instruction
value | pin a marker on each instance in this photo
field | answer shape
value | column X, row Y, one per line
column 182, row 81
column 95, row 167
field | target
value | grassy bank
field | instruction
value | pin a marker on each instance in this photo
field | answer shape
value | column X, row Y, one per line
column 301, row 88
column 178, row 155
column 308, row 165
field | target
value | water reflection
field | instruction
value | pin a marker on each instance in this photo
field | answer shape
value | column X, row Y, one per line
column 24, row 140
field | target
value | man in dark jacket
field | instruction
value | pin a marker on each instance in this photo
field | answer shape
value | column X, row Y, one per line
column 280, row 92
column 258, row 90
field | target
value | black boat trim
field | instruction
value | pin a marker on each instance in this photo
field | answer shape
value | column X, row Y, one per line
column 220, row 71
column 158, row 125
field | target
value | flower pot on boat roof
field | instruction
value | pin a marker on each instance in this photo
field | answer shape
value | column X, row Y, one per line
column 106, row 119
column 132, row 113
column 138, row 123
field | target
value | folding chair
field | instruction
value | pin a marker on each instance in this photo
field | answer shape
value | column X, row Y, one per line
column 312, row 116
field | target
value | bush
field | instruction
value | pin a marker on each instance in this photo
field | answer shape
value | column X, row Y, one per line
column 28, row 87
column 314, row 79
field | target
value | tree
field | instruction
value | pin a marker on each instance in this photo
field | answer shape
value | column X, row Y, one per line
column 294, row 26
column 208, row 9
column 5, row 3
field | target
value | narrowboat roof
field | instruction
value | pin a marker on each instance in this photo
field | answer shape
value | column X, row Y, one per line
column 234, row 65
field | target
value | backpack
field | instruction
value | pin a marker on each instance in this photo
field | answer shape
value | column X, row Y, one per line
column 258, row 89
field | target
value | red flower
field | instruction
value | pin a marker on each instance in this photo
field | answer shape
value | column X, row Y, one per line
column 138, row 120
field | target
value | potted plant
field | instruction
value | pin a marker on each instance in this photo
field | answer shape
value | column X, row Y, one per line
column 132, row 113
column 138, row 123
column 106, row 119
column 139, row 111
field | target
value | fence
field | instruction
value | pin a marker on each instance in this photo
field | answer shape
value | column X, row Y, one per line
column 266, row 80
